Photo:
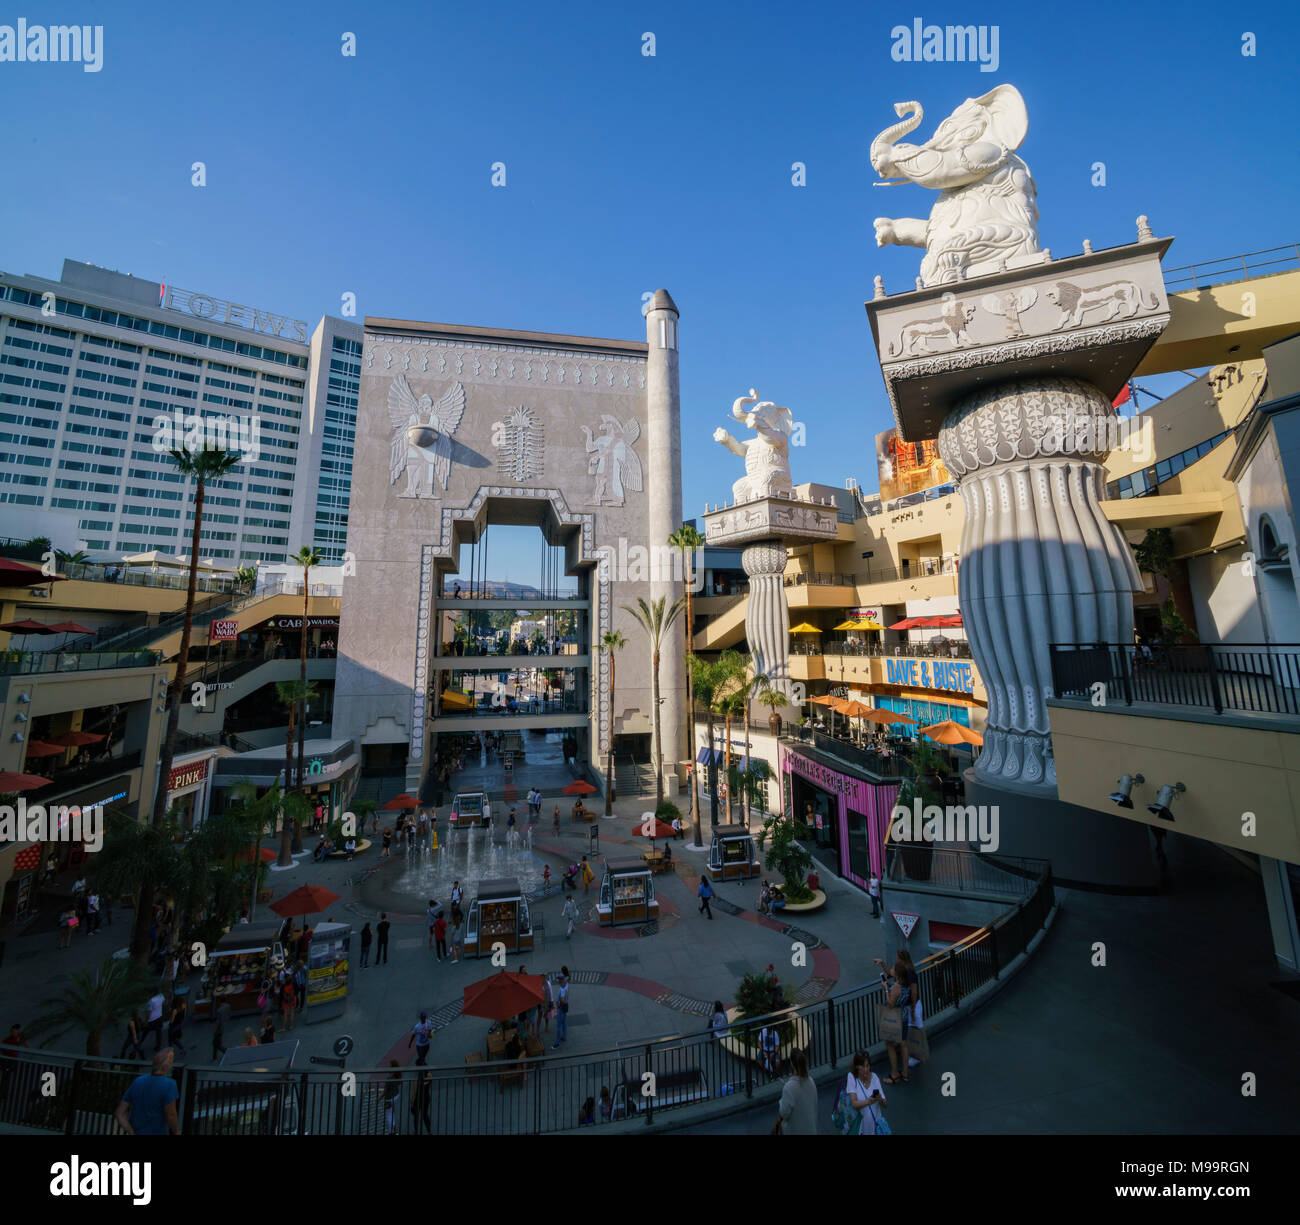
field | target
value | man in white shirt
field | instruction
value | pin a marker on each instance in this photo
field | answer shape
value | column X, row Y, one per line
column 92, row 912
column 154, row 1019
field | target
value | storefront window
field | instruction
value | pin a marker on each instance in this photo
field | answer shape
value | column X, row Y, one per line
column 859, row 850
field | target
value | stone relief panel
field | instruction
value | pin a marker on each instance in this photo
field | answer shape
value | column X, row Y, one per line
column 521, row 445
column 613, row 463
column 422, row 437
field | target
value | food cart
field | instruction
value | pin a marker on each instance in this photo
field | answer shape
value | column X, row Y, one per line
column 627, row 894
column 498, row 915
column 467, row 809
column 732, row 855
column 239, row 968
column 327, row 971
column 257, row 1094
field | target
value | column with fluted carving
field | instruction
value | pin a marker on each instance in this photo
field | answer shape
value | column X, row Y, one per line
column 1040, row 562
column 767, row 616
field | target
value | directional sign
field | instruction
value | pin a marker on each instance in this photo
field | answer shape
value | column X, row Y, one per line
column 343, row 1046
column 906, row 922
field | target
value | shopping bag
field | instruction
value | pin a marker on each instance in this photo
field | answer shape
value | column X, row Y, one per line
column 918, row 1045
column 889, row 1023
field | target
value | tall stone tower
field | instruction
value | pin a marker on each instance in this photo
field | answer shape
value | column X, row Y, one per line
column 664, row 441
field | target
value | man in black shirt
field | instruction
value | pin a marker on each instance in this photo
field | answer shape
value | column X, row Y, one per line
column 381, row 944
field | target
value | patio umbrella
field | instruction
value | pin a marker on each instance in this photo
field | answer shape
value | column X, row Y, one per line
column 70, row 627
column 504, row 995
column 867, row 624
column 654, row 829
column 907, row 623
column 888, row 716
column 9, row 781
column 826, row 699
column 23, row 628
column 76, row 739
column 844, row 625
column 400, row 802
column 579, row 787
column 804, row 628
column 949, row 732
column 246, row 855
column 949, row 621
column 15, row 574
column 307, row 899
column 42, row 748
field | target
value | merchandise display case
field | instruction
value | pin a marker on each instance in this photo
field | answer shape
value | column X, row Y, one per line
column 732, row 854
column 498, row 915
column 627, row 894
column 239, row 968
column 467, row 809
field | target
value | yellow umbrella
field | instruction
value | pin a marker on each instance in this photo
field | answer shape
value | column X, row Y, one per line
column 866, row 624
column 949, row 732
column 804, row 628
column 456, row 700
column 847, row 625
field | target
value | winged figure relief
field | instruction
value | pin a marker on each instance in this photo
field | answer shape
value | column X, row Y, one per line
column 422, row 433
column 612, row 461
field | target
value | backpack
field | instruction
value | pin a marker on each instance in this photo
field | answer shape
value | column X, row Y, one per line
column 844, row 1118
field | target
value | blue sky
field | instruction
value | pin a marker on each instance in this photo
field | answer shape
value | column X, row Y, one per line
column 371, row 174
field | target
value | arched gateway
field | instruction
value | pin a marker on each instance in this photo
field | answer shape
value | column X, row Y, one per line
column 458, row 428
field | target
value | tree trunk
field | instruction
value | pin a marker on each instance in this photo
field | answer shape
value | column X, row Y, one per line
column 697, row 833
column 727, row 762
column 286, row 826
column 93, row 1042
column 713, row 769
column 609, row 772
column 744, row 791
column 168, row 748
column 141, row 923
column 659, row 744
column 302, row 677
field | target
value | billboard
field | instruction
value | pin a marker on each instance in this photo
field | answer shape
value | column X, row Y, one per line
column 907, row 467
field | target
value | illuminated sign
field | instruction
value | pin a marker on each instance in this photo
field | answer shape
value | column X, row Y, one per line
column 223, row 631
column 951, row 675
column 188, row 775
column 218, row 310
column 295, row 623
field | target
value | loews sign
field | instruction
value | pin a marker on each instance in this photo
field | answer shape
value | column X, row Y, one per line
column 187, row 775
column 218, row 310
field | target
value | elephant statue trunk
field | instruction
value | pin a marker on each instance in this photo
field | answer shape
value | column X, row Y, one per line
column 882, row 146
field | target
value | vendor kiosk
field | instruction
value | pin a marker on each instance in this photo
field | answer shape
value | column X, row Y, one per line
column 467, row 809
column 732, row 856
column 327, row 971
column 239, row 968
column 498, row 915
column 627, row 894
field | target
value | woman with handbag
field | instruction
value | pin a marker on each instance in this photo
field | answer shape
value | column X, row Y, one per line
column 899, row 994
column 797, row 1112
column 866, row 1097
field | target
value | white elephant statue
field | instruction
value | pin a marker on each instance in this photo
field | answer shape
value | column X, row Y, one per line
column 767, row 455
column 985, row 219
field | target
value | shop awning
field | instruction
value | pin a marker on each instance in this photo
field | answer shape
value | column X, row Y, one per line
column 703, row 756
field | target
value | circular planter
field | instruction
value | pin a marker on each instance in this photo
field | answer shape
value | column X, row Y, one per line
column 364, row 845
column 734, row 1046
column 818, row 901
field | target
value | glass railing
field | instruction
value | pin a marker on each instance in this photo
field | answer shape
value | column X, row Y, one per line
column 22, row 663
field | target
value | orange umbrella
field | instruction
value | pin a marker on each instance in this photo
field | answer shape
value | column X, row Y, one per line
column 399, row 802
column 949, row 732
column 246, row 855
column 74, row 739
column 889, row 716
column 579, row 787
column 308, row 899
column 41, row 748
column 9, row 781
column 503, row 996
column 854, row 709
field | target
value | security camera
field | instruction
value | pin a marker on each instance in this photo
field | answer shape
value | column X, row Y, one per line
column 1125, row 787
column 1164, row 797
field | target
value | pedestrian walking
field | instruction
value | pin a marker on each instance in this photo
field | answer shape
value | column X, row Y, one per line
column 392, row 1095
column 387, row 852
column 705, row 892
column 68, row 922
column 350, row 848
column 176, row 1026
column 288, row 1004
column 555, row 822
column 267, row 1036
column 421, row 1035
column 865, row 1097
column 457, row 894
column 453, row 936
column 587, row 875
column 570, row 912
column 367, row 936
column 432, row 911
column 718, row 1022
column 134, row 1037
column 92, row 912
column 440, row 936
column 300, row 982
column 148, row 1107
column 797, row 1111
column 154, row 1019
column 562, row 1008
column 873, row 888
column 219, row 1031
column 381, row 949
column 548, row 1002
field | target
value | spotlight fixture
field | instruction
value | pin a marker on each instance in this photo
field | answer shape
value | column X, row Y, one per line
column 1125, row 787
column 1164, row 797
column 20, row 717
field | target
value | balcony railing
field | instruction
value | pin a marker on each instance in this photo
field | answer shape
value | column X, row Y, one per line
column 1232, row 268
column 46, row 663
column 1251, row 678
column 896, row 765
column 949, row 649
column 812, row 579
column 73, row 778
column 915, row 567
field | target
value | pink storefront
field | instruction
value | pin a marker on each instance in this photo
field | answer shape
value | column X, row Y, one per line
column 849, row 815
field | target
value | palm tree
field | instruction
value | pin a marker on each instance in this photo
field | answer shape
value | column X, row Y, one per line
column 246, row 576
column 306, row 557
column 769, row 693
column 136, row 861
column 687, row 539
column 202, row 466
column 612, row 641
column 68, row 560
column 712, row 682
column 290, row 693
column 95, row 1001
column 656, row 622
column 260, row 811
column 363, row 808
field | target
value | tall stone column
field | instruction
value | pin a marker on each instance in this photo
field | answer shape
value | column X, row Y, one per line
column 664, row 444
column 767, row 615
column 1040, row 562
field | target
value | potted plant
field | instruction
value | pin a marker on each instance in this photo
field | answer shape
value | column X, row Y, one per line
column 782, row 852
column 771, row 696
column 759, row 995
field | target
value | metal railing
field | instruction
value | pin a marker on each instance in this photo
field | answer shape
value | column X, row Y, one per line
column 75, row 777
column 125, row 576
column 45, row 663
column 956, row 868
column 531, row 1096
column 817, row 579
column 1255, row 678
column 1232, row 268
column 951, row 648
column 914, row 567
column 892, row 767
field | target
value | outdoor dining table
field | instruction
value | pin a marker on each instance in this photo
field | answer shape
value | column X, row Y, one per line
column 497, row 1043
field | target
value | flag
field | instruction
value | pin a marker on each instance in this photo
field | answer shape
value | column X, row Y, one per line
column 1123, row 397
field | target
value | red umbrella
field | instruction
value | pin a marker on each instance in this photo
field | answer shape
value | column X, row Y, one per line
column 399, row 802
column 906, row 623
column 70, row 627
column 654, row 828
column 41, row 748
column 23, row 628
column 951, row 621
column 308, row 899
column 15, row 574
column 9, row 781
column 579, row 787
column 503, row 996
column 76, row 739
column 246, row 855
